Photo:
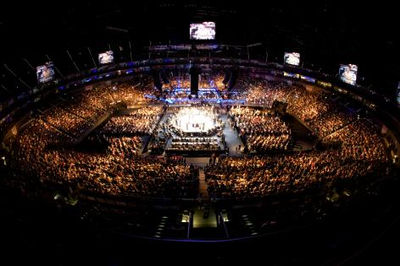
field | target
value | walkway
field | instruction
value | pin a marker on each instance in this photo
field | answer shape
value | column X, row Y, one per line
column 101, row 120
column 302, row 137
column 203, row 192
column 232, row 138
column 204, row 218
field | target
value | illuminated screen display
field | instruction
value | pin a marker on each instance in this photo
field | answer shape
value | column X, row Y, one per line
column 106, row 57
column 292, row 59
column 348, row 73
column 45, row 73
column 202, row 31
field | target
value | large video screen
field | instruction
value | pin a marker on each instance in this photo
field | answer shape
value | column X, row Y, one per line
column 202, row 31
column 45, row 73
column 106, row 57
column 292, row 59
column 348, row 73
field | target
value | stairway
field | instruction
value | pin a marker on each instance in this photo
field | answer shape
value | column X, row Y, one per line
column 203, row 192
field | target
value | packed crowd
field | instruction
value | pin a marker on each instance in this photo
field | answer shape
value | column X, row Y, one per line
column 125, row 146
column 206, row 81
column 308, row 105
column 358, row 140
column 259, row 129
column 117, row 172
column 194, row 144
column 330, row 122
column 178, row 89
column 351, row 148
column 80, row 112
column 40, row 151
column 141, row 121
column 361, row 153
column 209, row 81
column 66, row 121
column 179, row 81
column 133, row 95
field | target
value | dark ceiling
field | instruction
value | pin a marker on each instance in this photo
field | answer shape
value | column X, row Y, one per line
column 326, row 32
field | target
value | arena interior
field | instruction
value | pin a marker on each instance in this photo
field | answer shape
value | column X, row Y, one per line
column 200, row 144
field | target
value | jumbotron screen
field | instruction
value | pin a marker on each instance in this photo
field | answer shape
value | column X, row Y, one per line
column 106, row 57
column 45, row 73
column 202, row 31
column 292, row 59
column 348, row 73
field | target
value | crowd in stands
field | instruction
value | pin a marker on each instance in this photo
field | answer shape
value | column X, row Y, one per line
column 80, row 112
column 360, row 153
column 66, row 121
column 210, row 86
column 208, row 95
column 259, row 129
column 133, row 94
column 179, row 81
column 125, row 146
column 351, row 148
column 210, row 81
column 117, row 172
column 293, row 173
column 206, row 81
column 194, row 144
column 330, row 122
column 40, row 151
column 310, row 106
column 358, row 140
column 141, row 121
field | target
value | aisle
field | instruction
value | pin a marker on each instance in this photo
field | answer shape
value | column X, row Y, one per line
column 203, row 192
column 231, row 138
